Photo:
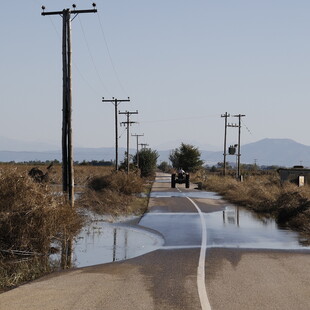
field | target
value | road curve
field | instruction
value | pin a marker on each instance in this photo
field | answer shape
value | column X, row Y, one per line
column 167, row 278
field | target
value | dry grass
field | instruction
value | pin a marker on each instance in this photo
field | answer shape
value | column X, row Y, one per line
column 31, row 218
column 30, row 215
column 15, row 272
column 82, row 174
column 115, row 194
column 289, row 204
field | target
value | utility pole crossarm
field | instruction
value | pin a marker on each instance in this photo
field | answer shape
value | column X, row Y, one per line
column 71, row 12
column 115, row 100
column 128, row 113
column 74, row 11
column 128, row 123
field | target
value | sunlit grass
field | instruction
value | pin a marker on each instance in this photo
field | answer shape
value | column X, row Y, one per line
column 287, row 203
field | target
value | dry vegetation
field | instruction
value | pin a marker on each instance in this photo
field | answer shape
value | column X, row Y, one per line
column 82, row 174
column 31, row 218
column 115, row 194
column 287, row 203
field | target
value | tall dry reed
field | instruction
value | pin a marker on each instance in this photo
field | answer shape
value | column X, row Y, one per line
column 287, row 203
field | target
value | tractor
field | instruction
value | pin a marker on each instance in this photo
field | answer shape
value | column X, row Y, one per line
column 180, row 178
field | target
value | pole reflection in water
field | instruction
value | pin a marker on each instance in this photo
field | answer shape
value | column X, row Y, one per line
column 102, row 242
column 126, row 244
column 66, row 254
column 232, row 216
column 114, row 244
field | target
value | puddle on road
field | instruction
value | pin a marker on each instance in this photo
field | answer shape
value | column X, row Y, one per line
column 233, row 228
column 166, row 180
column 190, row 194
column 239, row 228
column 102, row 242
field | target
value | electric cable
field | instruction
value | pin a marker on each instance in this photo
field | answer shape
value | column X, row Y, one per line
column 110, row 57
column 92, row 58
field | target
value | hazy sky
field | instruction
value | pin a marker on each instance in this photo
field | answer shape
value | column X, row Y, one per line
column 183, row 64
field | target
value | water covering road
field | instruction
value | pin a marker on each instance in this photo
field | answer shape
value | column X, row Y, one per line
column 228, row 227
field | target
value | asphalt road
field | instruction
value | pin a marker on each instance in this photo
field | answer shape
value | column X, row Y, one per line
column 167, row 278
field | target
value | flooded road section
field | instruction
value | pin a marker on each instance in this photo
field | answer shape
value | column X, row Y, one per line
column 161, row 228
column 232, row 228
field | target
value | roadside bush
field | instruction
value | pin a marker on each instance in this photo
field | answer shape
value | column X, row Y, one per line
column 113, row 194
column 290, row 206
column 120, row 181
column 31, row 217
column 287, row 203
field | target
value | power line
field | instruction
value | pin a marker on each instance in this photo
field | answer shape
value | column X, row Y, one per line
column 86, row 81
column 179, row 119
column 246, row 127
column 91, row 56
column 110, row 57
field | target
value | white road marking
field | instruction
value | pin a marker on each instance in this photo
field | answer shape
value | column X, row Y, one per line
column 201, row 283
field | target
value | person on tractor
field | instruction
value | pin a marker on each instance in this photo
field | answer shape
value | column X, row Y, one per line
column 181, row 173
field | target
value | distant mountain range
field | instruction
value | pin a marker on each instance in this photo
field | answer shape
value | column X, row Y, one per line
column 280, row 152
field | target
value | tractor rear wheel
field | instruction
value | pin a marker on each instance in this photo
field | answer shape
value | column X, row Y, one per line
column 187, row 181
column 173, row 180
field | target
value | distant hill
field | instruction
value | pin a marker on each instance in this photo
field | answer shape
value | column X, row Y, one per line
column 280, row 152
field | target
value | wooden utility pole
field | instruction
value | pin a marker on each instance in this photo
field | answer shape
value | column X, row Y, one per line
column 116, row 102
column 67, row 149
column 137, row 136
column 239, row 144
column 128, row 123
column 234, row 125
column 225, row 139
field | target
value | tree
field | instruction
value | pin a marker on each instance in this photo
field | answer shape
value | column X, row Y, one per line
column 164, row 166
column 186, row 156
column 147, row 162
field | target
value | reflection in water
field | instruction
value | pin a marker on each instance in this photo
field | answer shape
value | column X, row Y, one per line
column 102, row 242
column 244, row 229
column 231, row 216
column 234, row 228
column 195, row 194
column 66, row 254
